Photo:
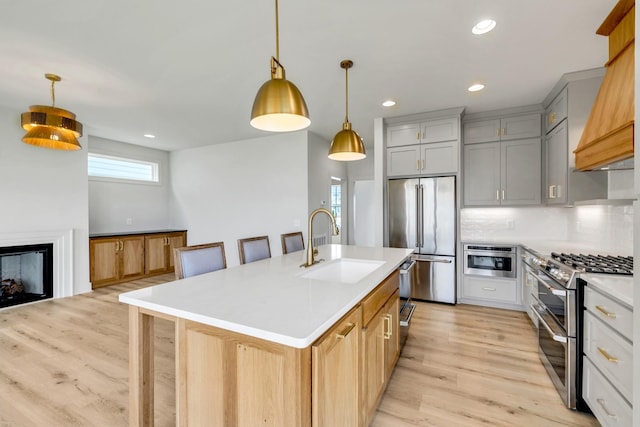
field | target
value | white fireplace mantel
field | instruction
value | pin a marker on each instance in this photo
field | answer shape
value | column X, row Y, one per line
column 62, row 254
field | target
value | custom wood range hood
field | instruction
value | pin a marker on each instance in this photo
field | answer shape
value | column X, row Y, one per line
column 608, row 134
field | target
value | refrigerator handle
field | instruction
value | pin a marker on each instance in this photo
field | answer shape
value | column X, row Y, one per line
column 421, row 217
column 417, row 216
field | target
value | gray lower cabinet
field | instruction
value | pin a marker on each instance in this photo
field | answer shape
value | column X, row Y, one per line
column 502, row 173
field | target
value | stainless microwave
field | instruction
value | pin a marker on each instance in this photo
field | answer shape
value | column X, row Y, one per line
column 490, row 260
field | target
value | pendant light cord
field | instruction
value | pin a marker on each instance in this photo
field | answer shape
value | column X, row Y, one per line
column 53, row 94
column 346, row 90
column 277, row 36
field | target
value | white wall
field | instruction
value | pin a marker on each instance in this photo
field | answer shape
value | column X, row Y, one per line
column 321, row 169
column 44, row 190
column 111, row 203
column 361, row 170
column 240, row 189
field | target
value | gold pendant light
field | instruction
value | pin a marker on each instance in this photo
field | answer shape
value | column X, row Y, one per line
column 51, row 127
column 347, row 144
column 279, row 105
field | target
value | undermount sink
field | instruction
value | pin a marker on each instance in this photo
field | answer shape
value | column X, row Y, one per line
column 345, row 270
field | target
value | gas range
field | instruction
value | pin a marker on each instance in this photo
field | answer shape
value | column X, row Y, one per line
column 566, row 268
column 602, row 264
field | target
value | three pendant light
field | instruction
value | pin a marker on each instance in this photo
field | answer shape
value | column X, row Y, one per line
column 280, row 107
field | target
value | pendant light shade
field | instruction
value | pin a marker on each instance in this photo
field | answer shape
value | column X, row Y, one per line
column 347, row 144
column 51, row 127
column 279, row 105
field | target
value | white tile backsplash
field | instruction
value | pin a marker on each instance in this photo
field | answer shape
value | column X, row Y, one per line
column 604, row 229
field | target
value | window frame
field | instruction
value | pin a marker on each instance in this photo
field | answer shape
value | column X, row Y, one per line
column 155, row 165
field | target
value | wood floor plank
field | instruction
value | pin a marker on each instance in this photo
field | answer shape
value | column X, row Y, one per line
column 462, row 366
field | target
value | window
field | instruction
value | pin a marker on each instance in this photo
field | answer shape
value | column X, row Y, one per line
column 336, row 202
column 122, row 169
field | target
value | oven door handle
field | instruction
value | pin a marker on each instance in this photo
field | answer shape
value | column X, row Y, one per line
column 556, row 337
column 444, row 261
column 554, row 291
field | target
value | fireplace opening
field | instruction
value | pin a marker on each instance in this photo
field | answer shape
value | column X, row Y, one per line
column 26, row 274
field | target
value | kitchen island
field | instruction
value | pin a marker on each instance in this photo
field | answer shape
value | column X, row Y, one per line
column 267, row 342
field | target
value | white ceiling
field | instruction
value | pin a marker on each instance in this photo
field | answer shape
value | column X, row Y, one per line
column 187, row 71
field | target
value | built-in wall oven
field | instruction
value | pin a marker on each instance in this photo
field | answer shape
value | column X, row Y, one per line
column 493, row 261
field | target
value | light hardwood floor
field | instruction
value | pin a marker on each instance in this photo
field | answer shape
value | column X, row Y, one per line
column 64, row 363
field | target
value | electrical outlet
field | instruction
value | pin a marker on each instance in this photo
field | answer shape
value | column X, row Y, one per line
column 296, row 223
column 129, row 221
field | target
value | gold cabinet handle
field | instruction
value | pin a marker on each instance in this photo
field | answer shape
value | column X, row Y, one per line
column 117, row 246
column 607, row 356
column 502, row 194
column 504, row 131
column 498, row 195
column 346, row 331
column 417, row 165
column 498, row 132
column 387, row 326
column 602, row 310
column 604, row 408
column 422, row 163
column 418, row 136
column 121, row 245
column 551, row 187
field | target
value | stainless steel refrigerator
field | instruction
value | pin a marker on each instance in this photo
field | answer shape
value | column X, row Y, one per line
column 422, row 216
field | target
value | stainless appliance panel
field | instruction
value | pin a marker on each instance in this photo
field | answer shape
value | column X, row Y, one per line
column 403, row 213
column 438, row 206
column 496, row 262
column 434, row 278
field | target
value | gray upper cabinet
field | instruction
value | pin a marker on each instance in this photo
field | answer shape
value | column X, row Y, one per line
column 427, row 148
column 503, row 161
column 567, row 108
column 508, row 128
column 502, row 173
column 556, row 111
column 521, row 172
column 420, row 133
column 482, row 174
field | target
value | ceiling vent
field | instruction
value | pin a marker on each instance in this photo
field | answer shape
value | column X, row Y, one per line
column 608, row 134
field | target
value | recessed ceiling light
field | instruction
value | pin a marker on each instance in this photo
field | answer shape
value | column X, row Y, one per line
column 483, row 27
column 389, row 103
column 148, row 135
column 476, row 87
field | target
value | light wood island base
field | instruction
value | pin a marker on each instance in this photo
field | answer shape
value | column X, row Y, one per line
column 224, row 378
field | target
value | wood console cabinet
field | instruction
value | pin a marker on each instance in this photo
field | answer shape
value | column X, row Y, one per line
column 159, row 251
column 116, row 259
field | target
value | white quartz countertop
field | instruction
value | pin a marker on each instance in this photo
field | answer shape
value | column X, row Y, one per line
column 268, row 299
column 618, row 287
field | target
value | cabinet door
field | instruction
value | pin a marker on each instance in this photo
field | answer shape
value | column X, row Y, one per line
column 439, row 157
column 482, row 174
column 403, row 160
column 373, row 364
column 132, row 257
column 482, row 131
column 392, row 336
column 104, row 261
column 156, row 254
column 335, row 374
column 521, row 163
column 527, row 126
column 403, row 135
column 556, row 165
column 175, row 240
column 440, row 130
column 556, row 111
